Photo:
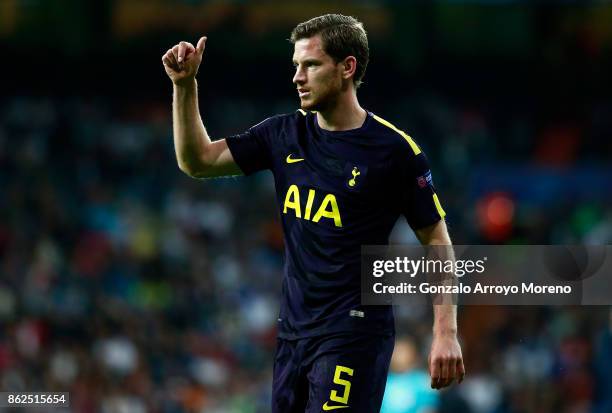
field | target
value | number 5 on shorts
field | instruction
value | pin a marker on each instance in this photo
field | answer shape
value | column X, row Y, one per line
column 347, row 385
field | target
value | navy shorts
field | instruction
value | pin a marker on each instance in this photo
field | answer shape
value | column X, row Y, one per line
column 345, row 372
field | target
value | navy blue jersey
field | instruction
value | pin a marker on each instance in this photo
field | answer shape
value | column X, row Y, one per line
column 337, row 191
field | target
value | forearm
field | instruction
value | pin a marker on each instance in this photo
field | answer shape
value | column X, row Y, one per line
column 445, row 319
column 445, row 313
column 190, row 136
column 440, row 248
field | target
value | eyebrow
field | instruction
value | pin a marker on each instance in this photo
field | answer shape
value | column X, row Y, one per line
column 309, row 60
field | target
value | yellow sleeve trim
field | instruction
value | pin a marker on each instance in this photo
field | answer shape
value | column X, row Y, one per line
column 413, row 145
column 302, row 112
column 438, row 206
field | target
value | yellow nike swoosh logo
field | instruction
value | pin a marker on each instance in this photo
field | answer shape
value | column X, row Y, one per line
column 293, row 160
column 326, row 407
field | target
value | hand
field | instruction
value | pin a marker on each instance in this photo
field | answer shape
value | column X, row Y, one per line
column 183, row 60
column 445, row 361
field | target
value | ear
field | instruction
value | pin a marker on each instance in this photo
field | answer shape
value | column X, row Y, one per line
column 349, row 65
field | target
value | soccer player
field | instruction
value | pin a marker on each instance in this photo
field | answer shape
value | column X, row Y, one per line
column 343, row 176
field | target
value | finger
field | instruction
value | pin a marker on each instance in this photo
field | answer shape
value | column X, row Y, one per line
column 460, row 370
column 166, row 62
column 444, row 373
column 452, row 370
column 182, row 47
column 201, row 45
column 169, row 60
column 189, row 51
column 434, row 368
column 172, row 58
column 445, row 382
column 175, row 51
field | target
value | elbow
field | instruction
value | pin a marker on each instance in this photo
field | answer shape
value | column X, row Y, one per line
column 193, row 170
column 436, row 234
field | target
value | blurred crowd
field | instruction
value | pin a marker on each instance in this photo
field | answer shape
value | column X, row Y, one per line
column 137, row 289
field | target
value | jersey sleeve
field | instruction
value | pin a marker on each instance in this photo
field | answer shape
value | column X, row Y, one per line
column 252, row 150
column 420, row 203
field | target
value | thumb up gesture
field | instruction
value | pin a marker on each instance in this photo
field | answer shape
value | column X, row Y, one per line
column 183, row 60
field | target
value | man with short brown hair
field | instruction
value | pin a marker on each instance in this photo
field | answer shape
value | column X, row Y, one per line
column 343, row 176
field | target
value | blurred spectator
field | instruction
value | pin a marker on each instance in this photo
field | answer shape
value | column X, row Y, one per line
column 408, row 385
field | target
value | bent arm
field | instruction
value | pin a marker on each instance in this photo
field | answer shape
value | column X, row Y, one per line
column 196, row 154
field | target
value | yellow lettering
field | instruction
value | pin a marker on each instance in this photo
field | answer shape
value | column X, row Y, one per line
column 327, row 209
column 334, row 213
column 292, row 200
column 345, row 383
column 309, row 201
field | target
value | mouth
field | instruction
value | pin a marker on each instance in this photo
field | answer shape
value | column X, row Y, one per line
column 303, row 93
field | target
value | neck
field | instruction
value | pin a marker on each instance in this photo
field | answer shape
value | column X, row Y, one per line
column 344, row 114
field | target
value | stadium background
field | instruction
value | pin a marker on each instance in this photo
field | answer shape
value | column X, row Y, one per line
column 138, row 289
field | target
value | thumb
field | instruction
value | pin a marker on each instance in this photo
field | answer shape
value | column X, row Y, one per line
column 200, row 45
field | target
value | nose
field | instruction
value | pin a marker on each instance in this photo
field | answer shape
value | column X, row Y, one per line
column 300, row 77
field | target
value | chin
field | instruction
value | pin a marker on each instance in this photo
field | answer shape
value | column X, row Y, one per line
column 307, row 105
column 310, row 105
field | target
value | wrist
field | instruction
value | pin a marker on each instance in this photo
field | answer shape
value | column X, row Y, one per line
column 185, row 85
column 445, row 331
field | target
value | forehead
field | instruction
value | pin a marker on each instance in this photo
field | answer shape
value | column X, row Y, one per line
column 309, row 48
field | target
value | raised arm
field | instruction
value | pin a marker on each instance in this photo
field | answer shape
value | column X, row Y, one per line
column 445, row 358
column 196, row 154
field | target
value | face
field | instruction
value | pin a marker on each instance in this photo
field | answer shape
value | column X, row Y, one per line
column 317, row 76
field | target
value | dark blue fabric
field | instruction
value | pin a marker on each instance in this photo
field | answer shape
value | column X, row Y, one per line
column 304, row 372
column 372, row 174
